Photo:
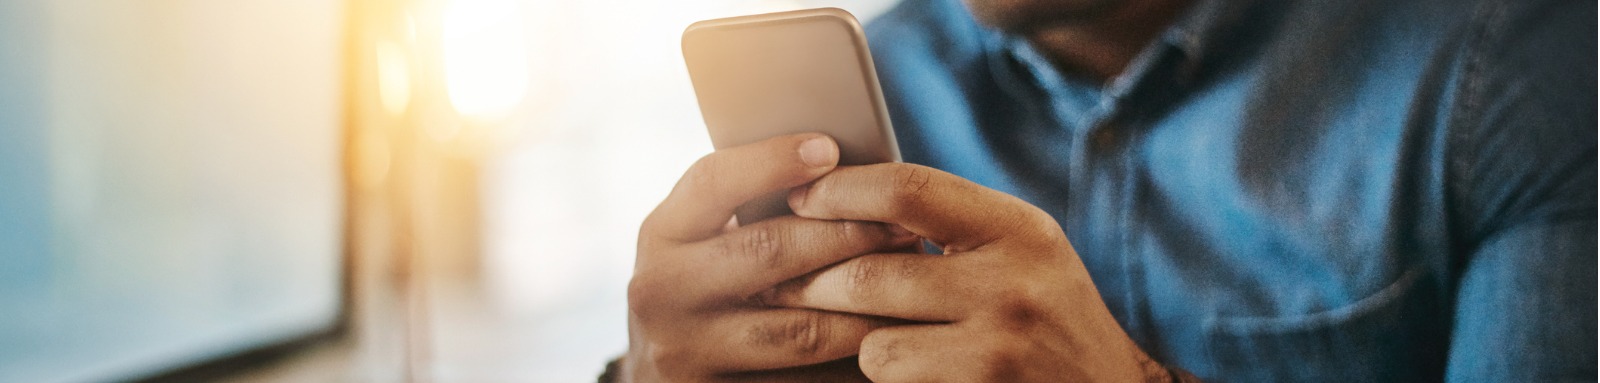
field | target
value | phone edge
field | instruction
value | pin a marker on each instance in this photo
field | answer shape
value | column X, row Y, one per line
column 859, row 39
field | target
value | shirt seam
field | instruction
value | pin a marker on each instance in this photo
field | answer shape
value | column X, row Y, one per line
column 1466, row 113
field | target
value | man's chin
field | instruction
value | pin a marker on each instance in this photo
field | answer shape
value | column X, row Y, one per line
column 1024, row 16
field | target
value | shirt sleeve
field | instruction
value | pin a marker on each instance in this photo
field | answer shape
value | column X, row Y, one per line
column 1523, row 167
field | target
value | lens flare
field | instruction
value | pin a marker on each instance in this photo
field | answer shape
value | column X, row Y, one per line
column 485, row 57
column 394, row 77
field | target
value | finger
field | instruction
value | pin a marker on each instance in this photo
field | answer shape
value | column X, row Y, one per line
column 754, row 258
column 706, row 196
column 845, row 370
column 767, row 339
column 918, row 287
column 951, row 211
column 729, row 270
column 929, row 353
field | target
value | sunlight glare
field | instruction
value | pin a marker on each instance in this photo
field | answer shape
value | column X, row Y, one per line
column 485, row 57
column 394, row 77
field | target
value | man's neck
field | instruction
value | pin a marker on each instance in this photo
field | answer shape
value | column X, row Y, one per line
column 1101, row 49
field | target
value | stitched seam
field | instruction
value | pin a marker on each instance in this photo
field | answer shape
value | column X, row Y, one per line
column 1468, row 113
column 1387, row 297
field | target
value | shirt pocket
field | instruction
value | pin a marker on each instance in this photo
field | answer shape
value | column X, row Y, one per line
column 1382, row 337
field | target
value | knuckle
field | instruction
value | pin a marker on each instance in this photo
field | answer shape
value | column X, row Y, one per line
column 642, row 298
column 1011, row 294
column 807, row 333
column 649, row 231
column 878, row 350
column 861, row 233
column 910, row 268
column 1033, row 233
column 762, row 243
column 652, row 225
column 669, row 360
column 910, row 186
column 1017, row 308
column 1015, row 315
column 802, row 335
column 1042, row 224
column 997, row 364
column 851, row 231
column 863, row 277
column 702, row 174
column 646, row 228
column 1035, row 217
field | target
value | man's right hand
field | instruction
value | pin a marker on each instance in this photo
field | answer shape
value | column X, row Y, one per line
column 691, row 315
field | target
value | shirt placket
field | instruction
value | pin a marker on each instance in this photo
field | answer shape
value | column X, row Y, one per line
column 1101, row 192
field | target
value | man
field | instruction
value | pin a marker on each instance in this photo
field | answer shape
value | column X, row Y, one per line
column 1160, row 190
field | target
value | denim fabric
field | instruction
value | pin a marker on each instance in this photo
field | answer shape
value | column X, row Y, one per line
column 1298, row 190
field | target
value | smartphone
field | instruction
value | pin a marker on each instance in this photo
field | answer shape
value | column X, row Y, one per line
column 767, row 75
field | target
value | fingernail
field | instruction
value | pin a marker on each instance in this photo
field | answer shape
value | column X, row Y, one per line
column 818, row 152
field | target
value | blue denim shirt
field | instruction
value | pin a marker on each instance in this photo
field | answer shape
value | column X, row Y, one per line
column 1298, row 190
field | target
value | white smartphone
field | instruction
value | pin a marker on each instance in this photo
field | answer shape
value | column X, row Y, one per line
column 767, row 75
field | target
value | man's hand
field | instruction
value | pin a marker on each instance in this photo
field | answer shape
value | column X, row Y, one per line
column 691, row 313
column 1009, row 300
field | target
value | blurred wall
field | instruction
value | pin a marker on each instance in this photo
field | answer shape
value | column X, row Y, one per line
column 170, row 181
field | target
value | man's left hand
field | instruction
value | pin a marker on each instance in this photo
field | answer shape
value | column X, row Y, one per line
column 1009, row 301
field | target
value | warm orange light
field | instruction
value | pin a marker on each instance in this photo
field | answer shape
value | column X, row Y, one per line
column 485, row 57
column 373, row 160
column 394, row 77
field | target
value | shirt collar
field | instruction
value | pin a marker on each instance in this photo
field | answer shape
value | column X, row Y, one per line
column 1199, row 33
column 1195, row 35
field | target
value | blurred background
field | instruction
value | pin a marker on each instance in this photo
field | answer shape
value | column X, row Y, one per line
column 335, row 191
